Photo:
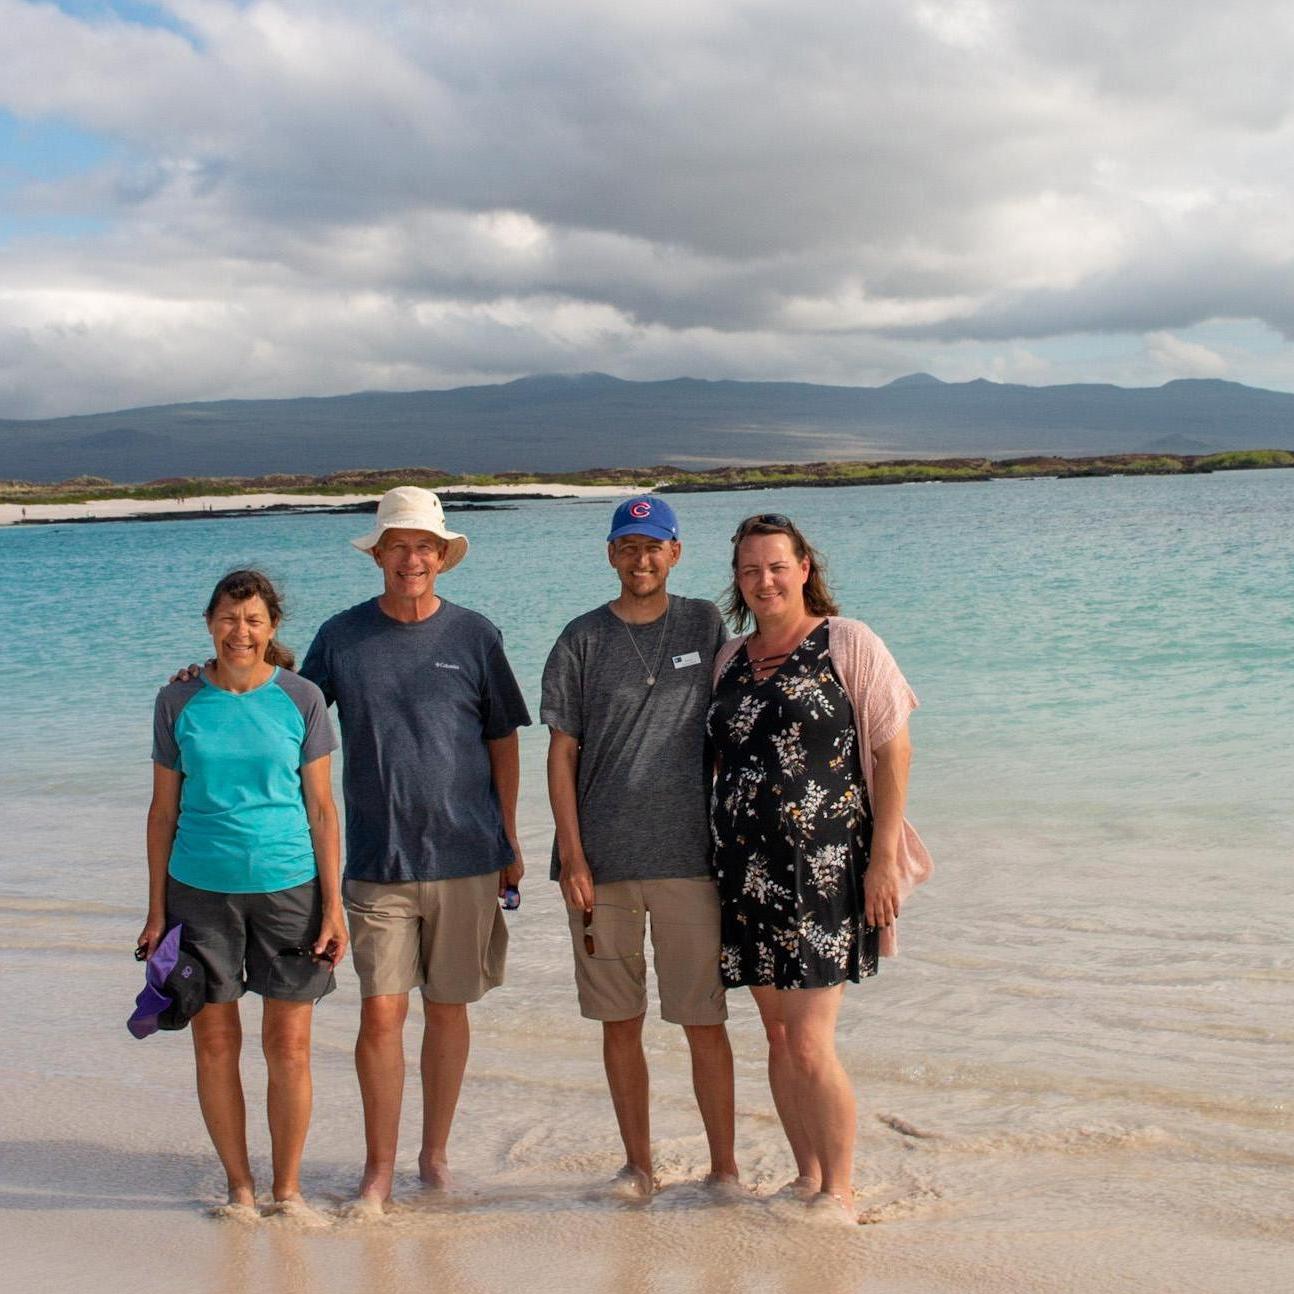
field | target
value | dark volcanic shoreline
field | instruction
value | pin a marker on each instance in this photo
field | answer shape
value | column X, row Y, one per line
column 269, row 510
column 20, row 495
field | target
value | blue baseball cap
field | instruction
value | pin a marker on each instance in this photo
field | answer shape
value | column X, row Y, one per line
column 644, row 515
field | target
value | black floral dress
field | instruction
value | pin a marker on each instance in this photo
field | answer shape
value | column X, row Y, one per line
column 791, row 824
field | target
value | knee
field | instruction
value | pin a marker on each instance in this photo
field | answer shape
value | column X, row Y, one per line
column 706, row 1037
column 809, row 1056
column 287, row 1049
column 444, row 1015
column 775, row 1032
column 622, row 1035
column 382, row 1019
column 219, row 1046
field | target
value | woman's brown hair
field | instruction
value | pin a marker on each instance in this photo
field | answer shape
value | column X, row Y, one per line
column 817, row 596
column 243, row 584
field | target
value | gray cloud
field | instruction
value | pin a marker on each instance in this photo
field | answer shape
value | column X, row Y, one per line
column 309, row 195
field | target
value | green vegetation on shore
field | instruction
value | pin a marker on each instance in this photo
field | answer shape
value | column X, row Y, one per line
column 85, row 489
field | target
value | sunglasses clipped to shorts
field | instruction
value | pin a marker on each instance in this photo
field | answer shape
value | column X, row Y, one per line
column 320, row 959
column 586, row 919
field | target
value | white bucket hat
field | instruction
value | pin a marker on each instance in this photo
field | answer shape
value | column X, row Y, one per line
column 410, row 507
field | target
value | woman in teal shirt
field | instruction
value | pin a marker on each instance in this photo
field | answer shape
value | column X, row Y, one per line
column 244, row 853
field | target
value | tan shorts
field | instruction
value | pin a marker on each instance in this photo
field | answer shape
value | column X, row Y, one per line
column 612, row 981
column 446, row 937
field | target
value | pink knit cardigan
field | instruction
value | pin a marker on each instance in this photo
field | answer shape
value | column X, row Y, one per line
column 882, row 701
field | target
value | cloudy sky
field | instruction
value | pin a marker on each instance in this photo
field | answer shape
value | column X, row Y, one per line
column 208, row 198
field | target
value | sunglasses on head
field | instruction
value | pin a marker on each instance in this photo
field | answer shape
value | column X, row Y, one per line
column 777, row 519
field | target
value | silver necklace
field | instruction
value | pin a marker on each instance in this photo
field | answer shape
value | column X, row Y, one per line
column 650, row 672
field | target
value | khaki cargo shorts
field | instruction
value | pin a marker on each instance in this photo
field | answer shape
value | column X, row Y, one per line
column 611, row 970
column 447, row 938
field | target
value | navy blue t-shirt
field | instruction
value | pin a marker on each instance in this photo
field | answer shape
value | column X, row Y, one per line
column 417, row 703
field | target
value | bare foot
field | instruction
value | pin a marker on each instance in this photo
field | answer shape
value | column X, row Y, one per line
column 244, row 1213
column 802, row 1188
column 239, row 1205
column 837, row 1208
column 295, row 1208
column 725, row 1186
column 375, row 1187
column 434, row 1173
column 362, row 1207
column 632, row 1183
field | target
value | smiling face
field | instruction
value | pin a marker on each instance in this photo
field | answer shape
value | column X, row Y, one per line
column 410, row 561
column 770, row 576
column 643, row 563
column 241, row 629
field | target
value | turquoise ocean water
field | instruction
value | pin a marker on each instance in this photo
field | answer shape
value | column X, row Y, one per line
column 1102, row 770
column 1099, row 661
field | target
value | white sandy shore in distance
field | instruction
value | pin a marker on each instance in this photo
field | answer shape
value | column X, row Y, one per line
column 120, row 509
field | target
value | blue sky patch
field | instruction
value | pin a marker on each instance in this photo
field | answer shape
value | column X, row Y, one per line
column 43, row 152
column 142, row 15
column 47, row 150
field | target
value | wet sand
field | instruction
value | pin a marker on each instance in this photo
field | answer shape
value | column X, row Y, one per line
column 107, row 1178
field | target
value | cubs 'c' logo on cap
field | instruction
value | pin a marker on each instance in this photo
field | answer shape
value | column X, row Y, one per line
column 640, row 510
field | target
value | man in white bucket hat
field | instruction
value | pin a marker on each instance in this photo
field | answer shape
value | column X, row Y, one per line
column 409, row 507
column 429, row 709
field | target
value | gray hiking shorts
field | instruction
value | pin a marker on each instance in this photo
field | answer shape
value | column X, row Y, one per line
column 244, row 941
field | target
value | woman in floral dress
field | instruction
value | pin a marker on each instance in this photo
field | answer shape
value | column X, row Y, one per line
column 808, row 727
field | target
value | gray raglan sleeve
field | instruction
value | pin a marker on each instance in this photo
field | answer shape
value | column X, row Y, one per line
column 166, row 709
column 320, row 737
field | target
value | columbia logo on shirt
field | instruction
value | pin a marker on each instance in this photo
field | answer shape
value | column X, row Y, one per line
column 444, row 664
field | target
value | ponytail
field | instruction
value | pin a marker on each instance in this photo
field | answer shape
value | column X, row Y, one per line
column 277, row 654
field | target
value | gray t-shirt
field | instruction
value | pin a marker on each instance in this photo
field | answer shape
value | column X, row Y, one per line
column 417, row 703
column 642, row 784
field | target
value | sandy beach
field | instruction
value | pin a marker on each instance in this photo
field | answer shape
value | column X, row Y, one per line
column 108, row 1174
column 124, row 509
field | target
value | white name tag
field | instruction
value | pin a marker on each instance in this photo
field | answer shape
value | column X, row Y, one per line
column 687, row 658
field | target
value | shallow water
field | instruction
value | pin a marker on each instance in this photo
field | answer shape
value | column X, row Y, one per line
column 1073, row 1077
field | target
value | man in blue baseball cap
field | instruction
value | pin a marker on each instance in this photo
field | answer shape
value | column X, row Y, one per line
column 625, row 693
column 645, row 515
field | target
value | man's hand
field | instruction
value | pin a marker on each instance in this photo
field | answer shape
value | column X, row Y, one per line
column 510, row 876
column 186, row 673
column 577, row 884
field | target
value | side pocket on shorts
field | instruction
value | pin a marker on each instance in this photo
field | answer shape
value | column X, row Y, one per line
column 613, row 933
column 299, row 979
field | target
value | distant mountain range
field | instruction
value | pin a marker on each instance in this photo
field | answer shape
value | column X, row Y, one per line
column 566, row 422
